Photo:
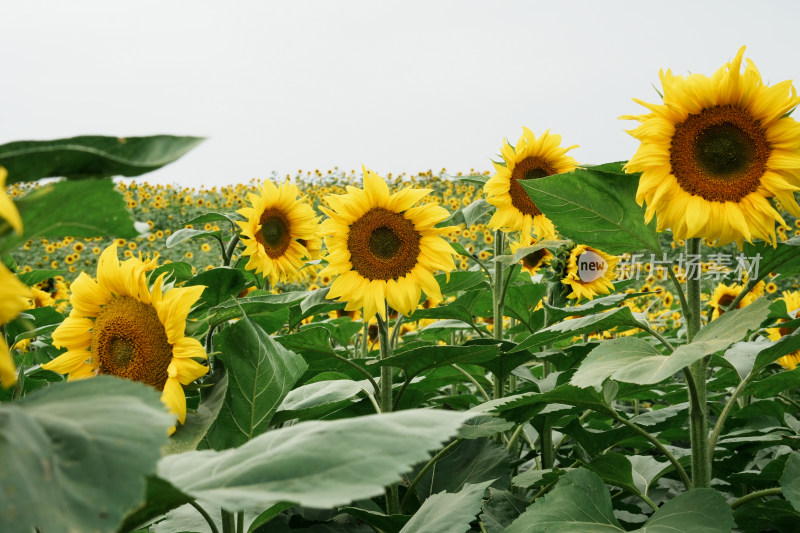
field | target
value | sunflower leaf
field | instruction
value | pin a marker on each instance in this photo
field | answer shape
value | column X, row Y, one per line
column 448, row 512
column 595, row 206
column 317, row 464
column 72, row 208
column 92, row 156
column 75, row 455
column 261, row 373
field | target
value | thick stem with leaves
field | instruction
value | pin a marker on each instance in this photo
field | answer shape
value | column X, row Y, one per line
column 498, row 305
column 696, row 380
column 392, row 494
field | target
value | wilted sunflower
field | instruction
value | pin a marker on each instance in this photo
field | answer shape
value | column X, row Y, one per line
column 8, row 211
column 531, row 158
column 724, row 295
column 792, row 300
column 120, row 326
column 714, row 153
column 383, row 249
column 14, row 297
column 280, row 231
column 589, row 272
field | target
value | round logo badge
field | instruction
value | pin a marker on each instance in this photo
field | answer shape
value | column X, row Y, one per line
column 591, row 266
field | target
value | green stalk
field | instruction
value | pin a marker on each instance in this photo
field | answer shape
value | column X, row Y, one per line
column 228, row 522
column 498, row 304
column 696, row 383
column 392, row 494
column 777, row 491
column 425, row 469
column 210, row 521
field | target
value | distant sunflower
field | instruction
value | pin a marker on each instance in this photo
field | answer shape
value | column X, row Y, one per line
column 724, row 295
column 589, row 272
column 120, row 326
column 714, row 153
column 280, row 231
column 14, row 297
column 531, row 158
column 8, row 211
column 792, row 300
column 381, row 248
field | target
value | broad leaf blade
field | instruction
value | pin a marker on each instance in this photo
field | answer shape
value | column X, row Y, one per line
column 698, row 511
column 317, row 464
column 92, row 156
column 448, row 512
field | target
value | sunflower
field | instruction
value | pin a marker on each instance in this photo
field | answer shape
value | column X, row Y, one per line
column 8, row 211
column 589, row 272
column 724, row 295
column 531, row 158
column 792, row 301
column 381, row 248
column 534, row 261
column 14, row 297
column 120, row 326
column 714, row 153
column 280, row 231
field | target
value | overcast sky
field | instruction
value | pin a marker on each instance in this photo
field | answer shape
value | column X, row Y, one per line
column 397, row 86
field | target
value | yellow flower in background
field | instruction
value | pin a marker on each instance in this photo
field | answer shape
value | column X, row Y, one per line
column 724, row 295
column 589, row 272
column 14, row 297
column 531, row 158
column 281, row 230
column 381, row 248
column 8, row 211
column 792, row 301
column 715, row 152
column 120, row 326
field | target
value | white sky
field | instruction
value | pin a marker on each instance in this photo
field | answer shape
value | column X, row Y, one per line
column 399, row 86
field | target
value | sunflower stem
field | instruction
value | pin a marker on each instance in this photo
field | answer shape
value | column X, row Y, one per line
column 498, row 303
column 392, row 494
column 696, row 380
column 228, row 522
column 749, row 286
column 228, row 251
column 210, row 521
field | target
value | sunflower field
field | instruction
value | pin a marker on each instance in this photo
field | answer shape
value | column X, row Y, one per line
column 550, row 346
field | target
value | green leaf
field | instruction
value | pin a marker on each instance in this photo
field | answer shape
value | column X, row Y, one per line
column 185, row 234
column 254, row 306
column 483, row 426
column 460, row 281
column 474, row 211
column 790, row 480
column 92, row 156
column 598, row 305
column 385, row 523
column 316, row 464
column 579, row 502
column 767, row 515
column 595, row 207
column 697, row 510
column 177, row 271
column 448, row 513
column 261, row 373
column 783, row 258
column 160, row 498
column 75, row 455
column 72, row 208
column 634, row 473
column 501, row 509
column 220, row 284
column 189, row 435
column 416, row 360
column 231, row 217
column 734, row 325
column 317, row 399
column 567, row 329
column 37, row 276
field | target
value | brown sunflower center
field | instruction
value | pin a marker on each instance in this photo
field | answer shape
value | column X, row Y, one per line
column 383, row 244
column 275, row 234
column 724, row 301
column 530, row 168
column 129, row 341
column 719, row 154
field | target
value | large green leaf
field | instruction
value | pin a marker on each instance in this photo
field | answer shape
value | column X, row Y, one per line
column 579, row 502
column 790, row 480
column 189, row 434
column 634, row 473
column 598, row 305
column 75, row 456
column 448, row 512
column 783, row 258
column 595, row 207
column 317, row 464
column 254, row 306
column 317, row 399
column 698, row 511
column 567, row 329
column 92, row 156
column 72, row 208
column 220, row 284
column 261, row 373
column 419, row 359
column 160, row 498
column 734, row 325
